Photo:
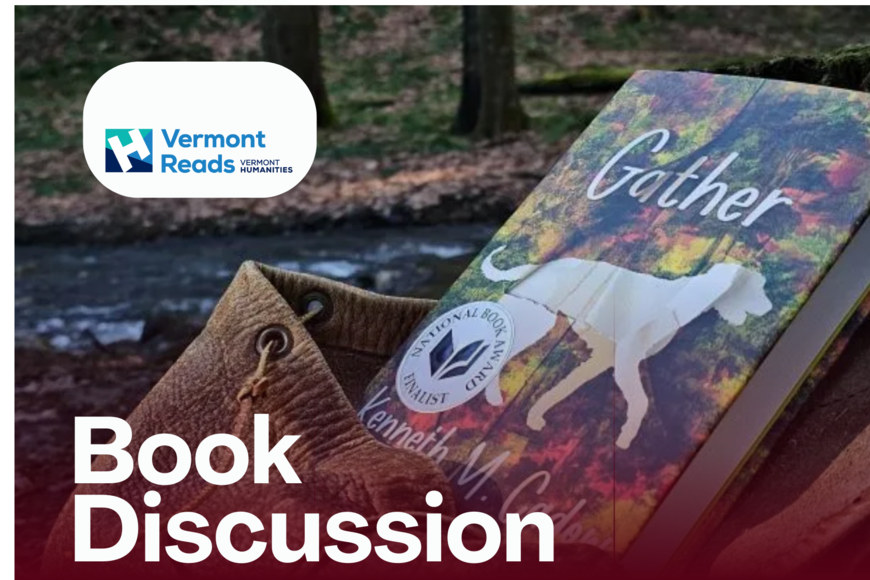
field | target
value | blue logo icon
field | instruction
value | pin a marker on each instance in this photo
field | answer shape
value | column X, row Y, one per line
column 129, row 151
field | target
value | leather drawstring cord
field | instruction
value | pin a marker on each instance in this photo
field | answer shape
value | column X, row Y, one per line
column 312, row 313
column 254, row 386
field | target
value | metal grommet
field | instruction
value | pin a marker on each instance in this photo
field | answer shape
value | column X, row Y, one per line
column 277, row 334
column 319, row 302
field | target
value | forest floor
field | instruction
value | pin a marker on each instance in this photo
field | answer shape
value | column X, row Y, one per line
column 393, row 78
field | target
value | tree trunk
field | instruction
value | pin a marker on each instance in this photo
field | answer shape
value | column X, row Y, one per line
column 291, row 38
column 469, row 103
column 500, row 110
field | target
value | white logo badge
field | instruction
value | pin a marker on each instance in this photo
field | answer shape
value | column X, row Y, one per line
column 199, row 129
column 455, row 357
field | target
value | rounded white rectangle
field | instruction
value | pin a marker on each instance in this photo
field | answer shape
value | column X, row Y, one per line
column 199, row 129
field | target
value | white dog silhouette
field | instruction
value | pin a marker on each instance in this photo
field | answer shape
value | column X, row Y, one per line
column 623, row 316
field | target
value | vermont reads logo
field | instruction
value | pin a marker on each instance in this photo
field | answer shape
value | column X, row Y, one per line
column 129, row 151
column 213, row 129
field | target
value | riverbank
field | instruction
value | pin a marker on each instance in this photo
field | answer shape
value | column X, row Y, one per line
column 482, row 184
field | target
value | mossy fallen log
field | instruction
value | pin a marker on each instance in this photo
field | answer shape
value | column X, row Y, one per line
column 588, row 80
column 846, row 68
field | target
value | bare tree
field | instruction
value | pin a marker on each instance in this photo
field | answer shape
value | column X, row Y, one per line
column 499, row 110
column 291, row 38
column 469, row 103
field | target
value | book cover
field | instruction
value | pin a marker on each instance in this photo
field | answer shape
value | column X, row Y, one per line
column 593, row 348
column 720, row 508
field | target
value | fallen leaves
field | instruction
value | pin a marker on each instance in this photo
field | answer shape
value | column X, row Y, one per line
column 452, row 186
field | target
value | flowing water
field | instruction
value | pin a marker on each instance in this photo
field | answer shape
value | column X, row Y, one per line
column 73, row 298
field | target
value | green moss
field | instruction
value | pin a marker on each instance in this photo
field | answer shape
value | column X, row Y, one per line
column 586, row 80
column 846, row 68
column 66, row 184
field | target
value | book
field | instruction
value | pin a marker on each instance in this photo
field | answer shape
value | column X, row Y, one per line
column 720, row 509
column 622, row 345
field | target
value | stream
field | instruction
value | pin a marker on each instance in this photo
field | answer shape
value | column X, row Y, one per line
column 73, row 298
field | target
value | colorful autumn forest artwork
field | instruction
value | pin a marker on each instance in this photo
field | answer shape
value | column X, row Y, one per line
column 803, row 150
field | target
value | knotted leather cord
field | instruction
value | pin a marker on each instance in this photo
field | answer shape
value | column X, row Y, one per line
column 254, row 386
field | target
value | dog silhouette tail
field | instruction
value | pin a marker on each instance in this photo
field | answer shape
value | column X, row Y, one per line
column 511, row 275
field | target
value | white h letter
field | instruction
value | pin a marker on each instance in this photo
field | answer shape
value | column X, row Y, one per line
column 121, row 151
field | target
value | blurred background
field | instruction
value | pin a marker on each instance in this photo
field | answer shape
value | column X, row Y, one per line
column 435, row 122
